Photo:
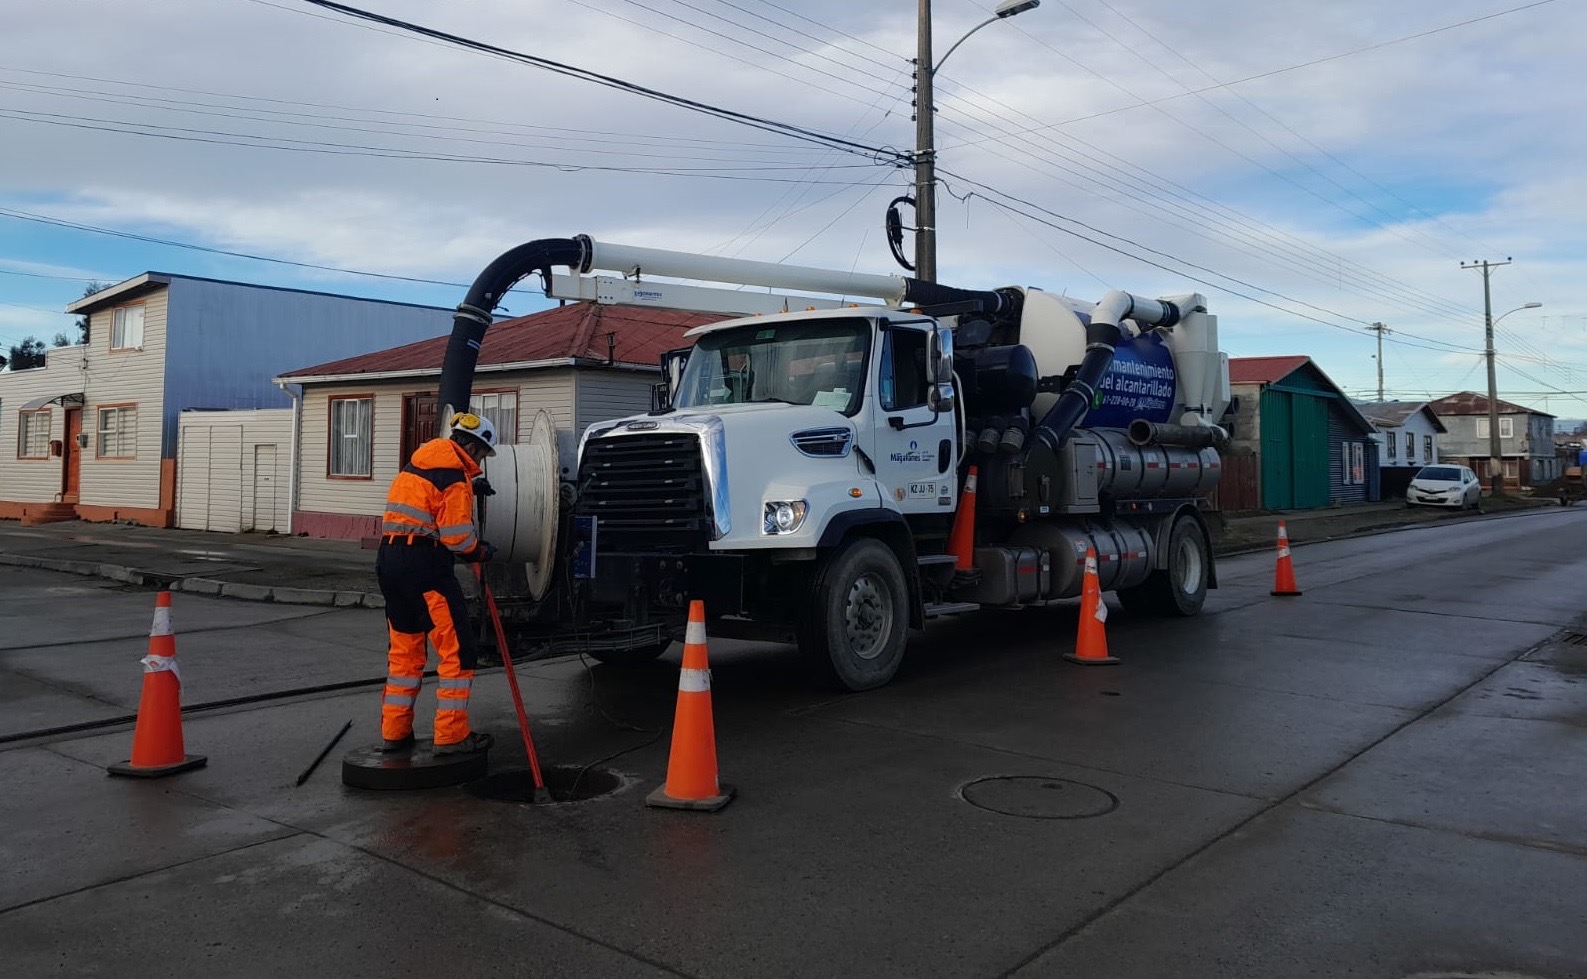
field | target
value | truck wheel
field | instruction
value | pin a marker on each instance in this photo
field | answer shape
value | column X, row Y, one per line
column 857, row 622
column 1181, row 589
column 630, row 657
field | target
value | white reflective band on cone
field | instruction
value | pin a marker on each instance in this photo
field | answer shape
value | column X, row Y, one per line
column 1283, row 551
column 694, row 635
column 1102, row 611
column 161, row 664
column 694, row 681
column 162, row 622
column 1091, row 565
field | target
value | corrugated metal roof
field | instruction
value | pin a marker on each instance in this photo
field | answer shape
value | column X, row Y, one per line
column 1472, row 403
column 1263, row 370
column 1394, row 414
column 574, row 331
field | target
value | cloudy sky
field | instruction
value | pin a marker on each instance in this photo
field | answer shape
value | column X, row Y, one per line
column 1311, row 168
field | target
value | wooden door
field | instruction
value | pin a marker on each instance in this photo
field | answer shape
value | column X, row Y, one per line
column 72, row 456
column 419, row 423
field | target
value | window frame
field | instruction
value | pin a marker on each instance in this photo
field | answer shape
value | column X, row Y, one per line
column 143, row 317
column 22, row 432
column 503, row 436
column 887, row 373
column 1394, row 447
column 1506, row 422
column 1427, row 446
column 99, row 430
column 330, row 436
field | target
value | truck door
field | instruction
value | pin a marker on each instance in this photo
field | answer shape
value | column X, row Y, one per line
column 913, row 442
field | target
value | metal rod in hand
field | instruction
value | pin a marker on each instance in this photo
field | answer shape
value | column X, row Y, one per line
column 512, row 677
column 323, row 752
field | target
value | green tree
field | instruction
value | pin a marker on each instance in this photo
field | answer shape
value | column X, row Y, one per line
column 28, row 353
column 82, row 321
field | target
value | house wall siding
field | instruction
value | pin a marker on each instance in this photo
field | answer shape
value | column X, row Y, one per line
column 126, row 377
column 605, row 395
column 224, row 481
column 34, row 480
column 320, row 492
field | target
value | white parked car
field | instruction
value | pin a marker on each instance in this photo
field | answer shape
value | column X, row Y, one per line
column 1443, row 485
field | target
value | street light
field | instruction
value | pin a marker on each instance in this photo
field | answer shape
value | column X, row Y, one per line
column 925, row 133
column 1495, row 449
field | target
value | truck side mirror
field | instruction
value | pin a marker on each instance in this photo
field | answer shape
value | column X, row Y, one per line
column 939, row 369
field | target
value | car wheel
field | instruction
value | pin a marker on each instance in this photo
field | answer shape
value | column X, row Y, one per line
column 1181, row 588
column 858, row 621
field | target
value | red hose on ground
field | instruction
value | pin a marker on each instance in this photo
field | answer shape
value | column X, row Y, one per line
column 512, row 678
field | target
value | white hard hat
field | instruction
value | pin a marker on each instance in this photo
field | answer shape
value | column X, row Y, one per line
column 479, row 427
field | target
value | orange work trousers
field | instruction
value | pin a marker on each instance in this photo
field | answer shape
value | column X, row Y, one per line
column 424, row 603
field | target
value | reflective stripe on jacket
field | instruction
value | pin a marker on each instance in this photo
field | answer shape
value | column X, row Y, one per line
column 433, row 497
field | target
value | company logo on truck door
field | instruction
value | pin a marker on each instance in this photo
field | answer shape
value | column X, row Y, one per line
column 915, row 454
column 1140, row 383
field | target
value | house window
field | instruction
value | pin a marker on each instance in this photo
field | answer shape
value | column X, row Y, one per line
column 118, row 432
column 1427, row 447
column 1512, row 469
column 501, row 407
column 33, row 434
column 1482, row 427
column 1410, row 447
column 126, row 330
column 352, row 437
column 1394, row 446
column 1507, row 428
column 1358, row 462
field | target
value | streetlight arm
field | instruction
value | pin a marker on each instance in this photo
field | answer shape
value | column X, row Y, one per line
column 1517, row 310
column 961, row 40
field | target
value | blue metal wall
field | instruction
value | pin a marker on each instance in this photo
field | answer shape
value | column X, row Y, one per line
column 227, row 340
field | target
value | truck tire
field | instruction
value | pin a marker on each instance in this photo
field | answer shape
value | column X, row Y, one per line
column 1181, row 589
column 630, row 657
column 857, row 622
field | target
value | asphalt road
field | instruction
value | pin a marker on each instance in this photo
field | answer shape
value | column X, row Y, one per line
column 1382, row 777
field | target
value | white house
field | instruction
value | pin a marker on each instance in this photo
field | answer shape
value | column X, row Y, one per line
column 92, row 434
column 362, row 417
column 1407, row 440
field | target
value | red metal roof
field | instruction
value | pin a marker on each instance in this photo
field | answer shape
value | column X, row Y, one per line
column 1471, row 403
column 577, row 330
column 1263, row 370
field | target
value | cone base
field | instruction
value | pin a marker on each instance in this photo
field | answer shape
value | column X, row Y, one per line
column 1283, row 594
column 127, row 768
column 417, row 768
column 1092, row 660
column 659, row 799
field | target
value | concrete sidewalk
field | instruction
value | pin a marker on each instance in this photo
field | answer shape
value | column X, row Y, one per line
column 312, row 571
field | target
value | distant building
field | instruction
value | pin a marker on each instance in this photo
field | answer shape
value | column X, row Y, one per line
column 1526, row 439
column 92, row 434
column 1313, row 448
column 1407, row 440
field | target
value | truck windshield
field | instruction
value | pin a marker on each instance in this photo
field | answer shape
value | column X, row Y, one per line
column 819, row 363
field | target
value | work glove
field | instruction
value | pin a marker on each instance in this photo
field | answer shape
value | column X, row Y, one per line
column 482, row 487
column 481, row 553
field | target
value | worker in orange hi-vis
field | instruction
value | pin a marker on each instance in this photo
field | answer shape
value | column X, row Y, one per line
column 428, row 524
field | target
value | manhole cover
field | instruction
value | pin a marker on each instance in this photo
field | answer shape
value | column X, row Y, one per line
column 566, row 783
column 1038, row 797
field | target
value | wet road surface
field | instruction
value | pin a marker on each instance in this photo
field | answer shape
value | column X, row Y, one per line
column 1383, row 777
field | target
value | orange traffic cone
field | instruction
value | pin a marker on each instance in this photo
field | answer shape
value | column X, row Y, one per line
column 157, row 747
column 1284, row 574
column 961, row 541
column 691, row 768
column 1091, row 642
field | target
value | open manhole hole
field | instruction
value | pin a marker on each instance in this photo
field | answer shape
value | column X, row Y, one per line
column 565, row 783
column 1038, row 797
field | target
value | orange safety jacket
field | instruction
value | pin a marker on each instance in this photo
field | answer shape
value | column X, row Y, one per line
column 432, row 499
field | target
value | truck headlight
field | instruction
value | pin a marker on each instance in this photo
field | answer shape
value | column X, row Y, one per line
column 785, row 517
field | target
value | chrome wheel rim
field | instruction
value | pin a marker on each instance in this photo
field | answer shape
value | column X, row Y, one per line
column 1188, row 566
column 867, row 616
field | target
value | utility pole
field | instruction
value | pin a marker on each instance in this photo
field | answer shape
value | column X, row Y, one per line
column 1380, row 329
column 1495, row 453
column 925, row 154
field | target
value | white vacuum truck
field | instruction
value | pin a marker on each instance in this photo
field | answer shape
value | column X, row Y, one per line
column 803, row 466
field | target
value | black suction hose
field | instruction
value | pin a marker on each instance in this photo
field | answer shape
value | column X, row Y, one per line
column 473, row 317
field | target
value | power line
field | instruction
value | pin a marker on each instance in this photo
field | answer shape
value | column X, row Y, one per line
column 757, row 122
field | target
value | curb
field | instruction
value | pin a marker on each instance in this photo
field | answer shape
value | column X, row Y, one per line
column 201, row 586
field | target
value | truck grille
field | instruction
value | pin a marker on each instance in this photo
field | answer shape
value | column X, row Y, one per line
column 647, row 493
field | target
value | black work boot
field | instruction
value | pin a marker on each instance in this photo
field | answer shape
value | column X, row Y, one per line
column 397, row 744
column 476, row 741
